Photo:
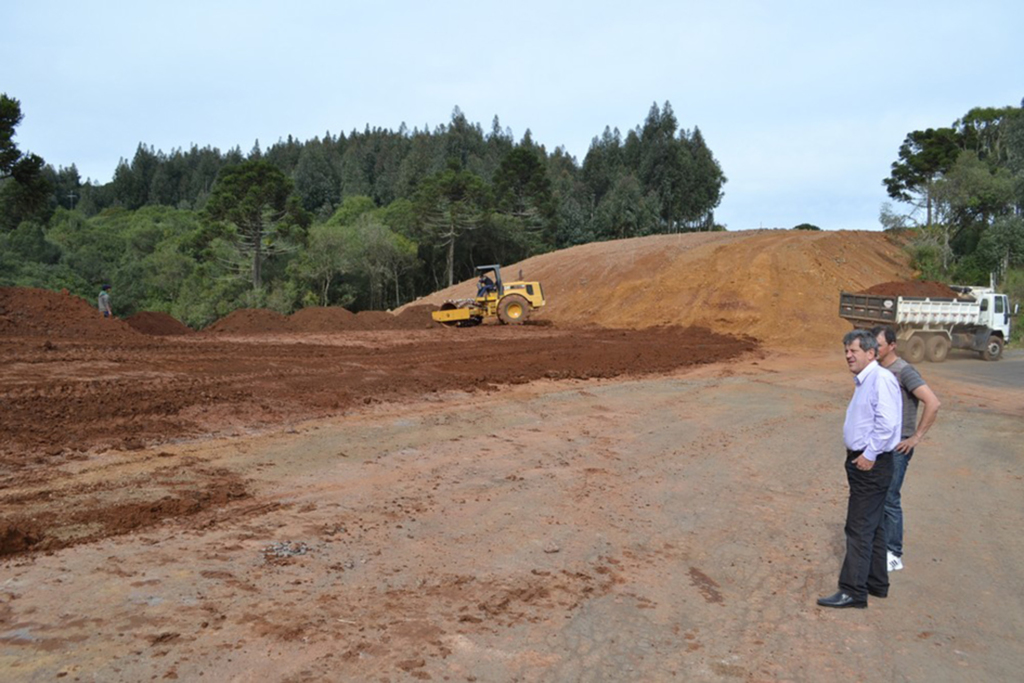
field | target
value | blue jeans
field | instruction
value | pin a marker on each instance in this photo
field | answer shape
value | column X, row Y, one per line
column 893, row 509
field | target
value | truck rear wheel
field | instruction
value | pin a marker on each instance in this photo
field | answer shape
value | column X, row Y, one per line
column 993, row 349
column 914, row 350
column 513, row 310
column 937, row 348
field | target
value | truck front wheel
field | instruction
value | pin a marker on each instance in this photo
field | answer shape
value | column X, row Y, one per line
column 937, row 348
column 914, row 350
column 993, row 349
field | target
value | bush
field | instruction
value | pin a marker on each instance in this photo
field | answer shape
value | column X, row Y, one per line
column 926, row 257
column 1013, row 286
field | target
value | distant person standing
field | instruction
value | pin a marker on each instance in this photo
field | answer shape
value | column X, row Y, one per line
column 104, row 302
column 871, row 432
column 915, row 391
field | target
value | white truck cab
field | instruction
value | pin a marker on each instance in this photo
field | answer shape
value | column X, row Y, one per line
column 994, row 310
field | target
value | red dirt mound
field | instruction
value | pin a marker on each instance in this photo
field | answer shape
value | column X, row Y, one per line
column 251, row 321
column 922, row 288
column 416, row 318
column 30, row 312
column 158, row 324
column 375, row 320
column 322, row 319
column 780, row 286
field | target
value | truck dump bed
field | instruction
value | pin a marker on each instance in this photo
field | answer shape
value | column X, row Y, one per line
column 890, row 310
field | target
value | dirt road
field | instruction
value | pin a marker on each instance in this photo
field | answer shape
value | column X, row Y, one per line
column 676, row 526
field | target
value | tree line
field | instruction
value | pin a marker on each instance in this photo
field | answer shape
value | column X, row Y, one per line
column 960, row 192
column 372, row 219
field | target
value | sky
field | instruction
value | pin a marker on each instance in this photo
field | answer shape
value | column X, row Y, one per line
column 804, row 104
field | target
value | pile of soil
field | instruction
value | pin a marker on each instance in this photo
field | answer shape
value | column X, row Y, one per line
column 415, row 317
column 322, row 319
column 779, row 286
column 374, row 321
column 157, row 324
column 917, row 288
column 251, row 321
column 31, row 312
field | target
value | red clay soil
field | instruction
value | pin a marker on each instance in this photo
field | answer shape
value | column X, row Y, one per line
column 322, row 319
column 251, row 321
column 415, row 317
column 375, row 321
column 181, row 490
column 913, row 288
column 779, row 286
column 30, row 312
column 157, row 324
column 63, row 401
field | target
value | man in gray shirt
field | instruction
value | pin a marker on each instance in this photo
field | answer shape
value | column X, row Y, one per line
column 915, row 391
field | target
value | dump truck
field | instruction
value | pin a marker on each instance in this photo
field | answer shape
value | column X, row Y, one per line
column 512, row 303
column 928, row 327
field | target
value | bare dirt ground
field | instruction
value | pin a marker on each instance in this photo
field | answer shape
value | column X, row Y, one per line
column 547, row 503
column 669, row 527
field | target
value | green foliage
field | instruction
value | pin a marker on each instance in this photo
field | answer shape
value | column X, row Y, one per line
column 923, row 156
column 522, row 191
column 806, row 226
column 28, row 242
column 926, row 256
column 972, row 192
column 1001, row 247
column 351, row 209
column 208, row 294
column 626, row 211
column 672, row 170
column 1013, row 286
column 382, row 259
column 395, row 214
column 316, row 181
column 970, row 180
column 256, row 200
column 449, row 204
column 329, row 256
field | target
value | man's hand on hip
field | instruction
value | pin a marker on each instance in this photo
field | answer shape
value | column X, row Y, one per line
column 862, row 463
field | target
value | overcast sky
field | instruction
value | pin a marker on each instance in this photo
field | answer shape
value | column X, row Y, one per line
column 804, row 104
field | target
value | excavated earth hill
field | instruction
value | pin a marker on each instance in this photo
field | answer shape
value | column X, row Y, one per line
column 778, row 286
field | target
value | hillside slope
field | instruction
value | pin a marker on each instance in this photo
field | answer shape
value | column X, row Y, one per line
column 780, row 286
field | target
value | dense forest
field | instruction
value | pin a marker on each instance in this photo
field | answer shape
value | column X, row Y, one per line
column 368, row 220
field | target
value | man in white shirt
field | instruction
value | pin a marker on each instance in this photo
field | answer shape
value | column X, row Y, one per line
column 871, row 432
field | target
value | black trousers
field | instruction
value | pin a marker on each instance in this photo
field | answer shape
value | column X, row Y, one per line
column 864, row 566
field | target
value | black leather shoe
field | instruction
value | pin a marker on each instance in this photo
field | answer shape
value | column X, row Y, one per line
column 878, row 594
column 842, row 599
